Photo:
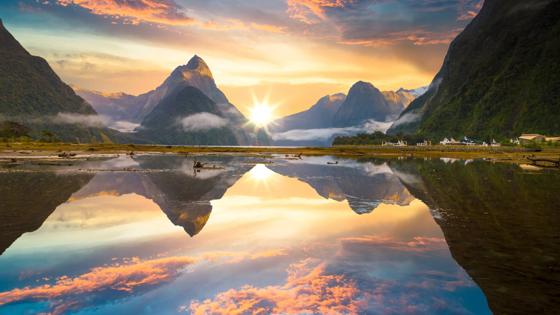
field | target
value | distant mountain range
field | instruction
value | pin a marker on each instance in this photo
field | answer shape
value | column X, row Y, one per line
column 183, row 195
column 363, row 109
column 163, row 113
column 365, row 102
column 122, row 106
column 364, row 186
column 187, row 108
column 499, row 79
column 317, row 116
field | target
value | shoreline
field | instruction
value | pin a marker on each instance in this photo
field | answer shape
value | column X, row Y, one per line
column 41, row 150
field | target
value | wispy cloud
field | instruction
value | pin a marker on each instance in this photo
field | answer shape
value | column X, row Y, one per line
column 165, row 12
column 124, row 126
column 468, row 9
column 312, row 11
column 121, row 279
column 202, row 122
column 96, row 121
column 308, row 289
column 416, row 37
column 407, row 119
column 67, row 293
column 78, row 119
column 325, row 134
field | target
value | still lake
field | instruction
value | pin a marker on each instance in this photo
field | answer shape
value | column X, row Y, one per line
column 149, row 235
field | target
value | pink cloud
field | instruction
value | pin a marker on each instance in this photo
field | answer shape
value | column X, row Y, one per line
column 307, row 290
column 417, row 37
column 308, row 11
column 66, row 291
column 165, row 12
column 468, row 9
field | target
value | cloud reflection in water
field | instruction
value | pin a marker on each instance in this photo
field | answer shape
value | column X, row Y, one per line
column 283, row 249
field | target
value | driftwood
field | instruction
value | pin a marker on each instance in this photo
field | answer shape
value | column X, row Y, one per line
column 203, row 166
column 66, row 155
column 536, row 161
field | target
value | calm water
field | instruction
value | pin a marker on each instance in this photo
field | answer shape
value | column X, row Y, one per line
column 147, row 235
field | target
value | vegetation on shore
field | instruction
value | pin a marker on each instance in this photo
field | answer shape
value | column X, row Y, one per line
column 378, row 138
column 500, row 154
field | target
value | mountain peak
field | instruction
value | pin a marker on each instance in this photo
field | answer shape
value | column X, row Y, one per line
column 362, row 86
column 8, row 43
column 196, row 72
column 197, row 64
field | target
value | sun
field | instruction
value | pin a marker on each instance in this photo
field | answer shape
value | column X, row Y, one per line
column 262, row 114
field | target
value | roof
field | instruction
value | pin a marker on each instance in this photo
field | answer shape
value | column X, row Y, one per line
column 530, row 136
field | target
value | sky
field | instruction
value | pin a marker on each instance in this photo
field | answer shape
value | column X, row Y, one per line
column 293, row 51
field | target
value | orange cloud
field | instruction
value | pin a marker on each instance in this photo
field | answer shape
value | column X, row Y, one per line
column 125, row 278
column 236, row 24
column 469, row 10
column 164, row 12
column 308, row 10
column 129, row 276
column 267, row 28
column 419, row 38
column 307, row 290
column 134, row 12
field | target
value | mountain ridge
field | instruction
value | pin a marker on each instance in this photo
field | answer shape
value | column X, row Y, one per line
column 365, row 102
column 322, row 113
column 499, row 78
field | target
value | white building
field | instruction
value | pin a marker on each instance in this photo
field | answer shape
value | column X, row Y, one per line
column 449, row 142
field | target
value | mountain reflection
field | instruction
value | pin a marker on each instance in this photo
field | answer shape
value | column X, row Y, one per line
column 171, row 182
column 273, row 243
column 291, row 221
column 183, row 194
column 501, row 224
column 27, row 199
column 364, row 185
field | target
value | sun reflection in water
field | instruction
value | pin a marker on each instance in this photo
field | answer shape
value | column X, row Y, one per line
column 260, row 173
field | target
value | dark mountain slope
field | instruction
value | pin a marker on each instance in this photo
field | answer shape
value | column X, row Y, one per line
column 165, row 124
column 501, row 225
column 500, row 77
column 365, row 102
column 28, row 85
column 31, row 94
column 21, row 211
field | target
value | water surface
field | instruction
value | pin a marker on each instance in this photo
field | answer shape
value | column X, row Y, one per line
column 148, row 235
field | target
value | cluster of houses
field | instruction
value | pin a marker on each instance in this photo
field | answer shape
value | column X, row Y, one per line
column 468, row 142
column 400, row 143
column 524, row 139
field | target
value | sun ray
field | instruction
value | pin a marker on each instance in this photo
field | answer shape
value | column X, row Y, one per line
column 261, row 114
